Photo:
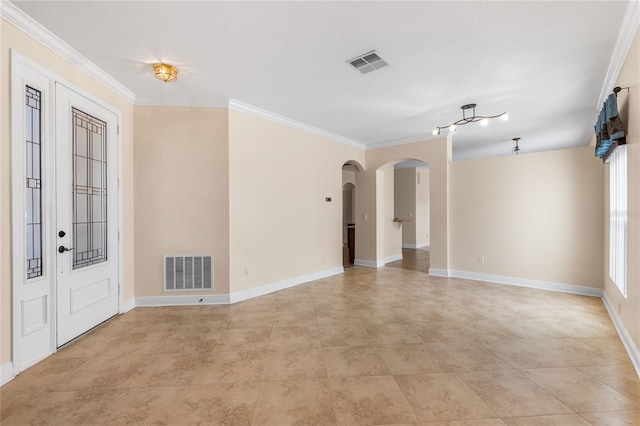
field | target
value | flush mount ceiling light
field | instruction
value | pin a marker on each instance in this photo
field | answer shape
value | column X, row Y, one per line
column 483, row 119
column 165, row 72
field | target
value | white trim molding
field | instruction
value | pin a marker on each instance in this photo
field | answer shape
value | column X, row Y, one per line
column 276, row 118
column 128, row 305
column 393, row 258
column 281, row 285
column 523, row 282
column 415, row 246
column 225, row 299
column 368, row 263
column 627, row 341
column 628, row 30
column 190, row 300
column 34, row 29
column 439, row 272
column 6, row 373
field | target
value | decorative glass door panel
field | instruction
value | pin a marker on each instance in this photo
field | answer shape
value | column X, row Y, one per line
column 33, row 121
column 89, row 190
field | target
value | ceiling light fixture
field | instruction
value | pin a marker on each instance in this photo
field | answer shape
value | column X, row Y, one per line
column 165, row 72
column 483, row 119
column 516, row 148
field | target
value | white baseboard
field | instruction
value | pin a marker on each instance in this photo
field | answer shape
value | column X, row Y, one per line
column 415, row 246
column 377, row 264
column 6, row 373
column 205, row 299
column 523, row 282
column 627, row 341
column 393, row 258
column 368, row 263
column 439, row 272
column 128, row 305
column 281, row 285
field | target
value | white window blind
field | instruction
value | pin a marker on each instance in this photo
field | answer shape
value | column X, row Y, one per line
column 618, row 218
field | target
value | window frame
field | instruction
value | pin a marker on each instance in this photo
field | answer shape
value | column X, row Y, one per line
column 618, row 216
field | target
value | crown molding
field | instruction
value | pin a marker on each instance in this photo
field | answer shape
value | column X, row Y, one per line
column 15, row 16
column 628, row 30
column 276, row 118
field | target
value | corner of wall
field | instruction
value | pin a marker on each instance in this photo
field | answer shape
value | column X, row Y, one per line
column 6, row 373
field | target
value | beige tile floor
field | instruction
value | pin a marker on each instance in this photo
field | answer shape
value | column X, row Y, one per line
column 368, row 347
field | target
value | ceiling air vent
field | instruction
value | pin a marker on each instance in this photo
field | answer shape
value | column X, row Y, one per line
column 368, row 62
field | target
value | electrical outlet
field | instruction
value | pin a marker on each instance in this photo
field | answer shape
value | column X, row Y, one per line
column 246, row 271
column 481, row 260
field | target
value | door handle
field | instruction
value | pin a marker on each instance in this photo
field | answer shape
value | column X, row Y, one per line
column 62, row 249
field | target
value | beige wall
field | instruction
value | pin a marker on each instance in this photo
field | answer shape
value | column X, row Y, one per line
column 532, row 216
column 412, row 205
column 12, row 38
column 629, row 105
column 422, row 207
column 182, row 191
column 436, row 153
column 392, row 230
column 349, row 174
column 281, row 227
column 405, row 202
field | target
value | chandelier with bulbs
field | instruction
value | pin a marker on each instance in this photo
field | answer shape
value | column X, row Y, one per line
column 483, row 119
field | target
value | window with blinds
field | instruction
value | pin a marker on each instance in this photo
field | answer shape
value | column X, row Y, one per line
column 618, row 218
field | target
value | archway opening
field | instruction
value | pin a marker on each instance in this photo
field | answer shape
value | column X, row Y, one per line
column 349, row 170
column 407, row 195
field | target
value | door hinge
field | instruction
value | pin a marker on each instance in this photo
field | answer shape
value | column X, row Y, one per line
column 118, row 236
column 118, row 130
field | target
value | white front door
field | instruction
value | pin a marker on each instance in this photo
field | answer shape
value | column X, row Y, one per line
column 86, row 232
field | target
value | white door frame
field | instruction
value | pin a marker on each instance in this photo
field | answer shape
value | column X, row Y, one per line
column 26, row 71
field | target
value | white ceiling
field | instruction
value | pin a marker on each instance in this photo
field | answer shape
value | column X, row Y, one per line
column 544, row 63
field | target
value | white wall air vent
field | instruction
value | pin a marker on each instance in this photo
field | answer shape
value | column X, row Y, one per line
column 188, row 272
column 368, row 62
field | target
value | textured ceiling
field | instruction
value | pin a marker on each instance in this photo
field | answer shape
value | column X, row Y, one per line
column 544, row 63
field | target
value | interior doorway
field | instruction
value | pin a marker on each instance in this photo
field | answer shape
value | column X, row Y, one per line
column 349, row 171
column 412, row 209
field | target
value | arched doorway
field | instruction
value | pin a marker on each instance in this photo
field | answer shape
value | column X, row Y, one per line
column 403, row 214
column 349, row 171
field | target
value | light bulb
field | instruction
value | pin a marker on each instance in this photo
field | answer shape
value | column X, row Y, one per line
column 484, row 121
column 452, row 128
column 435, row 132
column 504, row 117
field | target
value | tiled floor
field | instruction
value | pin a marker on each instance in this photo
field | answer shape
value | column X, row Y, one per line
column 413, row 259
column 386, row 346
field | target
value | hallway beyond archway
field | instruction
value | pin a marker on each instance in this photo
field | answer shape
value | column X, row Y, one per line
column 413, row 260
